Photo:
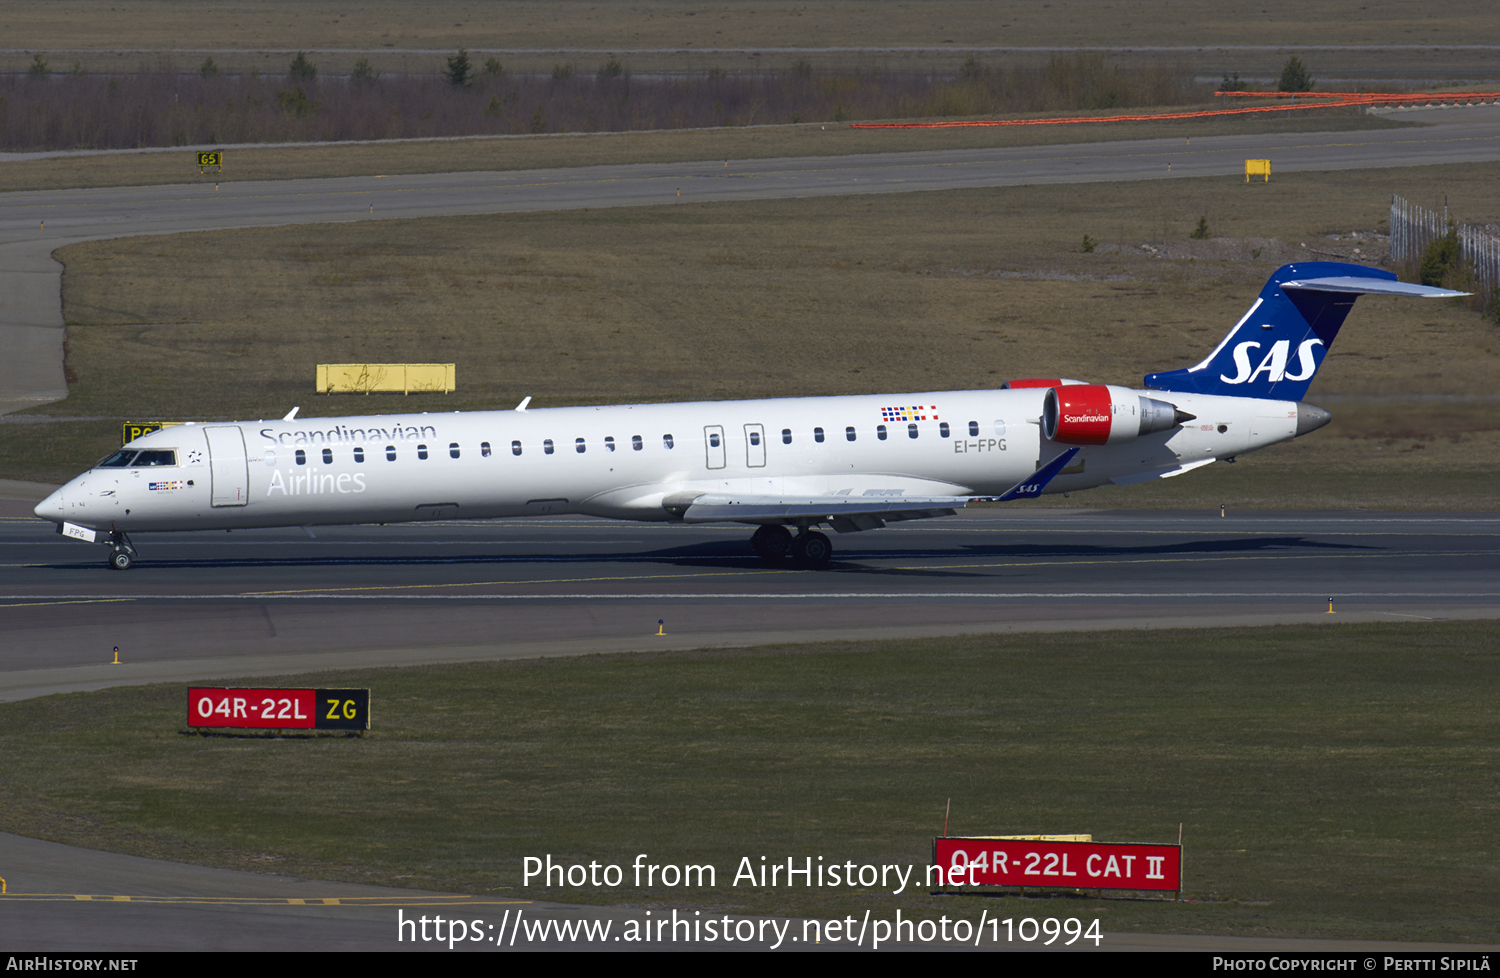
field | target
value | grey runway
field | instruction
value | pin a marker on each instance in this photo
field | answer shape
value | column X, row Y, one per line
column 206, row 605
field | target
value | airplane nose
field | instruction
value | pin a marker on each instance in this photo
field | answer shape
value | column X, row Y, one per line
column 51, row 508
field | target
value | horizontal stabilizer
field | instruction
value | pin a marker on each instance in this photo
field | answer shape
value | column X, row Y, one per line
column 1371, row 286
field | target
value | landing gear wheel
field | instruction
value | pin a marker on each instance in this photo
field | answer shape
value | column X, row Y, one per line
column 121, row 559
column 812, row 549
column 771, row 542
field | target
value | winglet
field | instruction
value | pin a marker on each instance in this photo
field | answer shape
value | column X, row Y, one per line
column 522, row 406
column 292, row 414
column 1033, row 484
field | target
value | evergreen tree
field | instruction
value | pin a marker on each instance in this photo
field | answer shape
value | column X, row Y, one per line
column 1294, row 77
column 301, row 69
column 459, row 69
column 1441, row 257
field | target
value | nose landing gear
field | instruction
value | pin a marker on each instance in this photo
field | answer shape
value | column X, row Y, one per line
column 122, row 553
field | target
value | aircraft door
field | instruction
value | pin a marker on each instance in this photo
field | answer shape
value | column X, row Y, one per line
column 755, row 446
column 713, row 443
column 229, row 471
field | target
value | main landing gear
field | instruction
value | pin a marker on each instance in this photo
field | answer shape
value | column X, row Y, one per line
column 122, row 553
column 809, row 548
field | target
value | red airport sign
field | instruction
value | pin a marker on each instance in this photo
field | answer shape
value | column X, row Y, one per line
column 279, row 709
column 1082, row 865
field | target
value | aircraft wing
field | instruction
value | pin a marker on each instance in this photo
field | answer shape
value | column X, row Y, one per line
column 849, row 513
column 844, row 513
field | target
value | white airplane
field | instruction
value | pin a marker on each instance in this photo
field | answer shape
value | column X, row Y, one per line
column 851, row 463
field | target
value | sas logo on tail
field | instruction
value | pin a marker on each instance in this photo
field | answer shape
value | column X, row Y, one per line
column 1273, row 365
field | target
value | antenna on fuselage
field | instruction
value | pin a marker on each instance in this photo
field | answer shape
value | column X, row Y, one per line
column 292, row 414
column 522, row 406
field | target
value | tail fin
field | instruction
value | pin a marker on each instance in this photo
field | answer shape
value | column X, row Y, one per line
column 1277, row 347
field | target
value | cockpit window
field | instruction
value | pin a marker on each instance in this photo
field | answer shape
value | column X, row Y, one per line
column 118, row 460
column 128, row 458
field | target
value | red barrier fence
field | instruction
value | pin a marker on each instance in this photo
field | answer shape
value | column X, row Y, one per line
column 1319, row 100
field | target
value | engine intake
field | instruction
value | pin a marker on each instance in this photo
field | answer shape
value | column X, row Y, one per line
column 1102, row 414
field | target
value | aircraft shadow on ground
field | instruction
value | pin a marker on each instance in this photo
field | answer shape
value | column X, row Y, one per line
column 735, row 554
column 858, row 561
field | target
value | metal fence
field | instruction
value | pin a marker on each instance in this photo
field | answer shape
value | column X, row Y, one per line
column 1414, row 229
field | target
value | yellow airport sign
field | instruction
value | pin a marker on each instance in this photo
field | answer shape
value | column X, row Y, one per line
column 366, row 378
column 135, row 429
column 214, row 159
column 1258, row 168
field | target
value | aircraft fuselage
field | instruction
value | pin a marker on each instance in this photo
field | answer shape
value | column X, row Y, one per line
column 624, row 461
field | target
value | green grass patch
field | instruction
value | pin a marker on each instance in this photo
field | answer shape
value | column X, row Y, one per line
column 1335, row 781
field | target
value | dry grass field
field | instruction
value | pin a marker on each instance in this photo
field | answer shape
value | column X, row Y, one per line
column 836, row 295
column 1331, row 781
column 579, row 25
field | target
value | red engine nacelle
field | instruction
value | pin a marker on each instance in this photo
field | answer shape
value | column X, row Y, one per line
column 1102, row 414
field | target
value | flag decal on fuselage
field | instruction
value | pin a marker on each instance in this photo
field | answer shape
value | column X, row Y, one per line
column 914, row 412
